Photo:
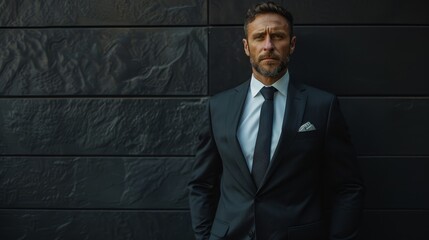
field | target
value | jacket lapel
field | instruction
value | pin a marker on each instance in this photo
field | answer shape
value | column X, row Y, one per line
column 295, row 106
column 232, row 122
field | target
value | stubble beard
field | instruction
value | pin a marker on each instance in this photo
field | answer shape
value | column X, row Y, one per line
column 270, row 73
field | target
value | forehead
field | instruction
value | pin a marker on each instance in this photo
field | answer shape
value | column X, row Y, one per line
column 268, row 20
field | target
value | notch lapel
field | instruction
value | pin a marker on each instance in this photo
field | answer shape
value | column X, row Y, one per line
column 232, row 123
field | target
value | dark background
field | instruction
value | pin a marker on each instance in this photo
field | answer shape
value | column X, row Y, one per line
column 100, row 103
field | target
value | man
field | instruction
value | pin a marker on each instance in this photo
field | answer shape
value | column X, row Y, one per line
column 273, row 150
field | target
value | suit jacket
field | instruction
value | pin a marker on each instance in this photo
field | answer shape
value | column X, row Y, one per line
column 309, row 172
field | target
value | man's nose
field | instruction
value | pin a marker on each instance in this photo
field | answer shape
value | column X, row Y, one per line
column 268, row 44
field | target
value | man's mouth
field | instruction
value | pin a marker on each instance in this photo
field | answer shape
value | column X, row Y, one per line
column 268, row 58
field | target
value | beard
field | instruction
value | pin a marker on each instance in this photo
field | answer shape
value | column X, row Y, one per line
column 267, row 72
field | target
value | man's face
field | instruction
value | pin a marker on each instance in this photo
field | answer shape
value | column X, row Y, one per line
column 269, row 45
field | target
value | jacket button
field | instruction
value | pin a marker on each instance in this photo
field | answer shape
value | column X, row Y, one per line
column 251, row 234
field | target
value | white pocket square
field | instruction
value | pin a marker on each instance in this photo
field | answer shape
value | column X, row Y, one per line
column 306, row 127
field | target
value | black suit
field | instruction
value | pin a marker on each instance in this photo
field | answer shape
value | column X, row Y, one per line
column 289, row 205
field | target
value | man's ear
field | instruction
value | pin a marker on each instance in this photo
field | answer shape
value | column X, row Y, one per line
column 292, row 44
column 246, row 47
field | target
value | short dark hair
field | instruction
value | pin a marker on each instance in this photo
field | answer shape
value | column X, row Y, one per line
column 268, row 7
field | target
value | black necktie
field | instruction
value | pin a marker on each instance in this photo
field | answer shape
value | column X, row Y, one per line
column 261, row 156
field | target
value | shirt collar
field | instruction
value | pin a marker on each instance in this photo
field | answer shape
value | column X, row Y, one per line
column 281, row 85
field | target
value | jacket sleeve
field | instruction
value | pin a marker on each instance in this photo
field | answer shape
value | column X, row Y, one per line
column 204, row 183
column 345, row 180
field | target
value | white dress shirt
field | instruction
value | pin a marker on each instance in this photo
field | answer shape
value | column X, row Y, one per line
column 249, row 123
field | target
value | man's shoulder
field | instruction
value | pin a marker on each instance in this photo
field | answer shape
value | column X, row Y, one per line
column 226, row 95
column 315, row 93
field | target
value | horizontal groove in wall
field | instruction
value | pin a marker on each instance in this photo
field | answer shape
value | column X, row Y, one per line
column 396, row 156
column 334, row 25
column 97, row 156
column 181, row 156
column 103, row 26
column 185, row 210
column 104, row 97
column 418, row 97
column 207, row 25
column 398, row 210
column 422, row 97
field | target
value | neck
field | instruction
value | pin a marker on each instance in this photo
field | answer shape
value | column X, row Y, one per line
column 268, row 81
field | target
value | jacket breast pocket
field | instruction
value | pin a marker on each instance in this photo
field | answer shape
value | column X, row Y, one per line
column 219, row 229
column 310, row 135
column 311, row 231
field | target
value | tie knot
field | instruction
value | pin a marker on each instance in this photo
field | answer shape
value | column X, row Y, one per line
column 268, row 92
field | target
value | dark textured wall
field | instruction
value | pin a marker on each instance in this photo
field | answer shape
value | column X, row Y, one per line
column 100, row 103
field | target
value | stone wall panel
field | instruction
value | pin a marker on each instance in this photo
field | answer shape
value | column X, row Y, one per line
column 94, row 182
column 113, row 61
column 99, row 126
column 102, row 12
column 95, row 225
